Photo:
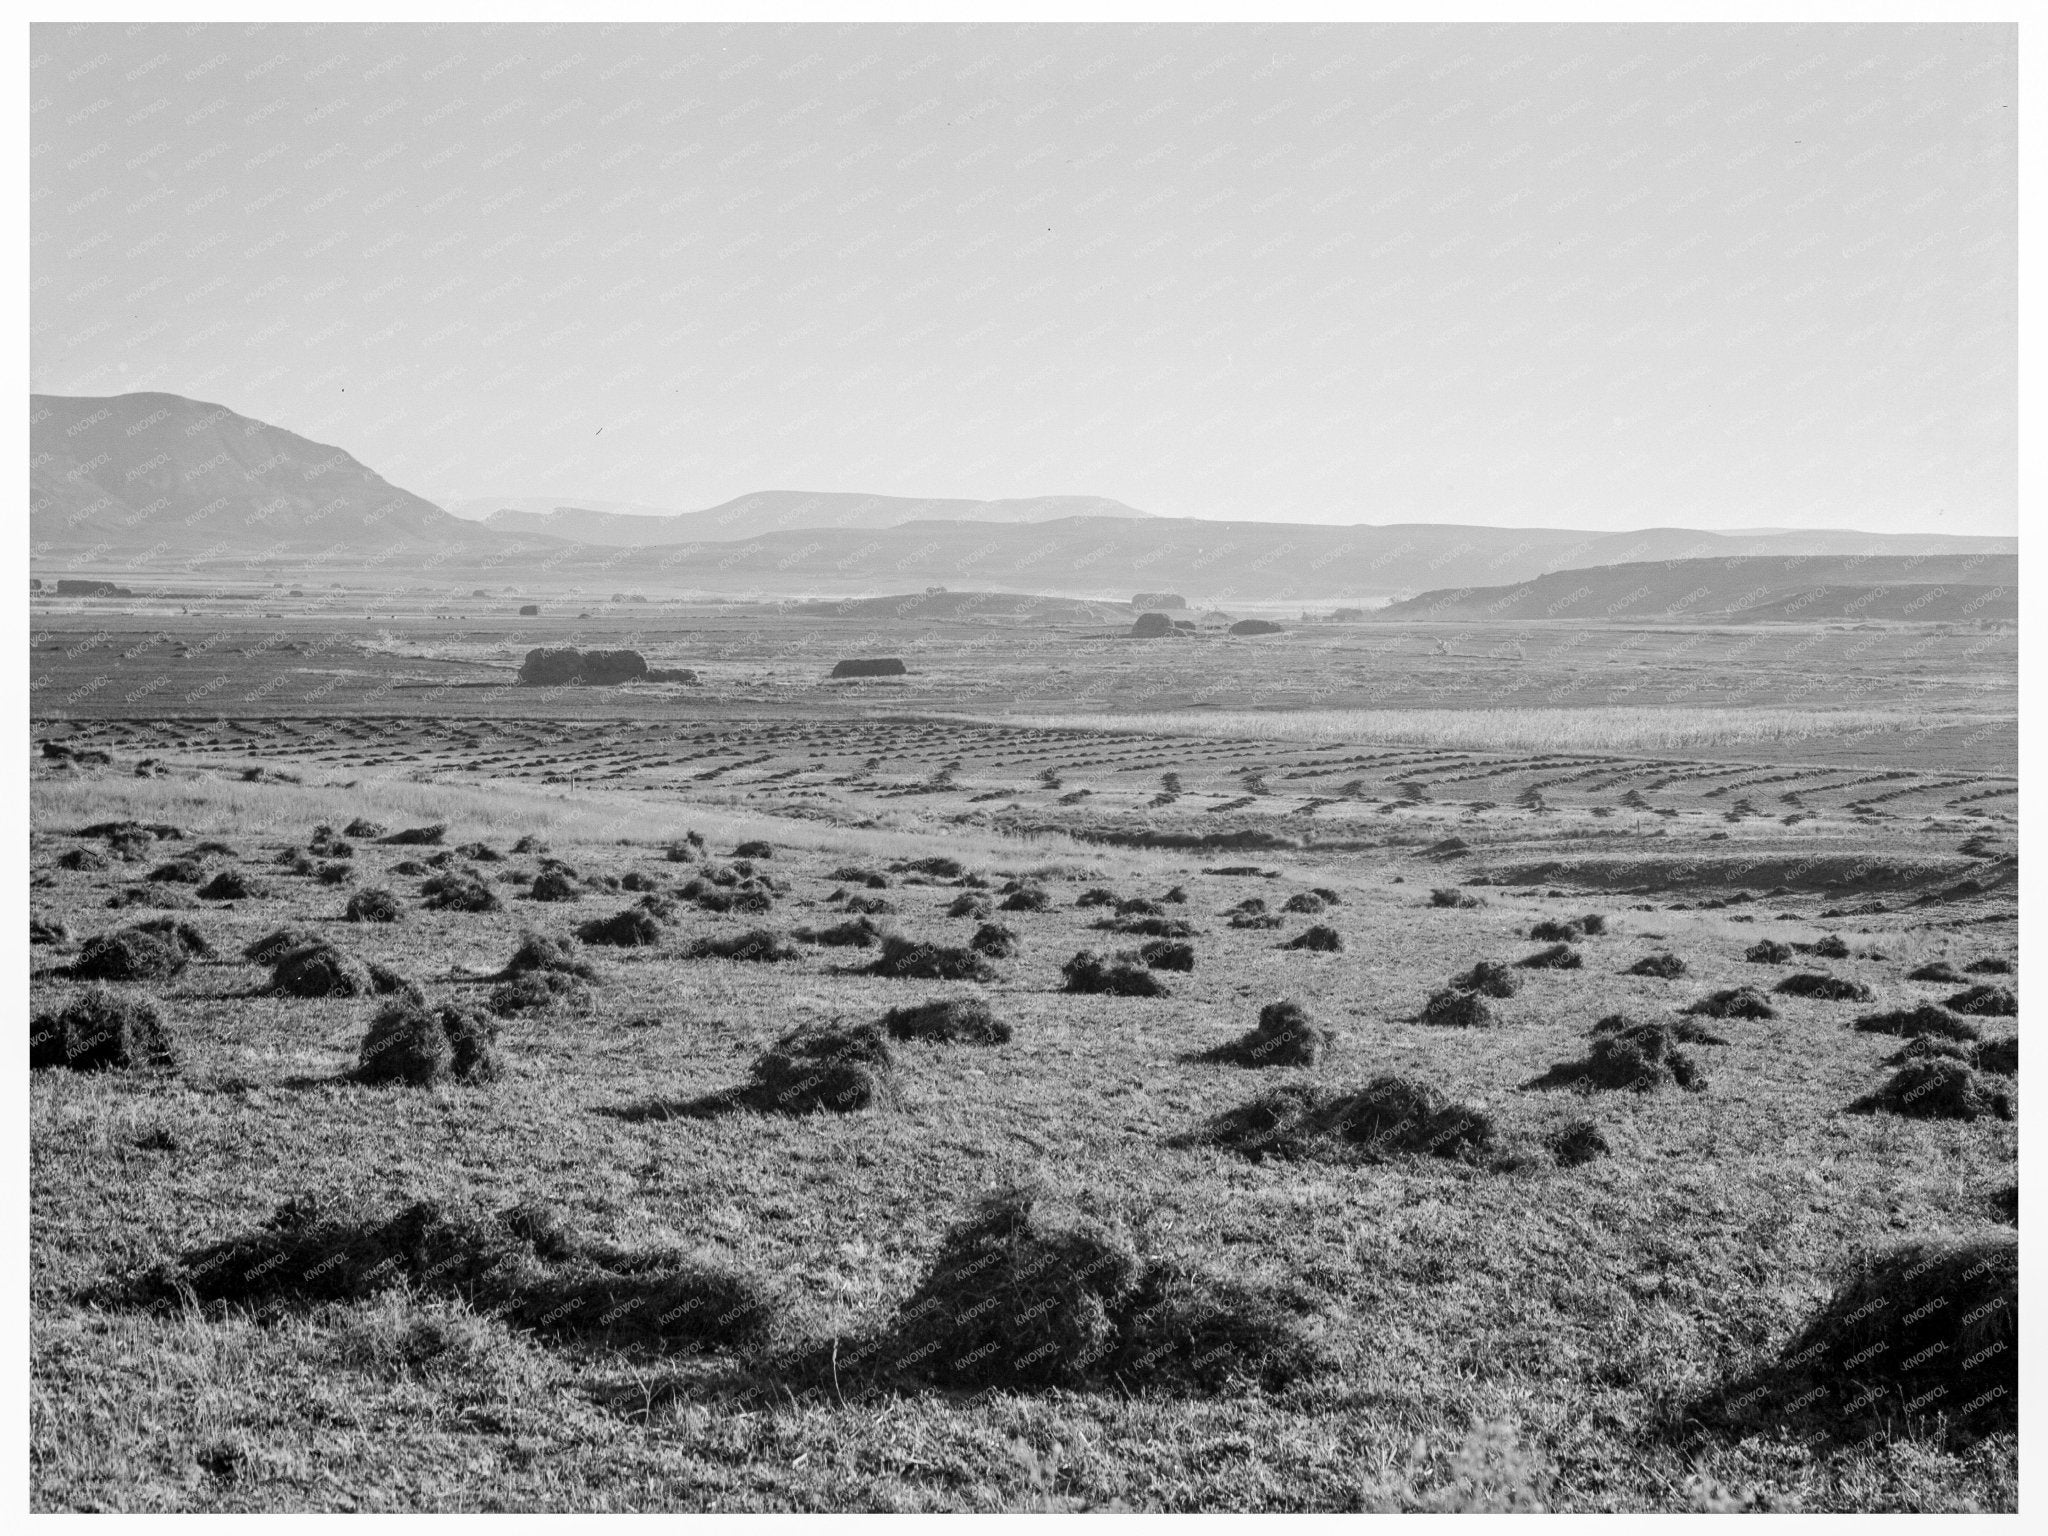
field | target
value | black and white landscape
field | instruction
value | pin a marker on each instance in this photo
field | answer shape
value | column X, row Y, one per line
column 1023, row 767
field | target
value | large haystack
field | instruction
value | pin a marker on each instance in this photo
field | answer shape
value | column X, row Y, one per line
column 99, row 1029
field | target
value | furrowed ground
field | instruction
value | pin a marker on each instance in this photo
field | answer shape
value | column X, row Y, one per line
column 1486, row 1331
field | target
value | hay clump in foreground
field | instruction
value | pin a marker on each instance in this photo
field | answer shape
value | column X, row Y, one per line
column 548, row 992
column 1577, row 1142
column 410, row 1041
column 523, row 1263
column 1321, row 938
column 1934, row 970
column 1285, row 1036
column 1666, row 967
column 1935, row 1088
column 544, row 952
column 1829, row 989
column 1924, row 1329
column 1090, row 972
column 320, row 969
column 628, row 928
column 128, row 954
column 1985, row 1001
column 101, row 1029
column 1558, row 957
column 1733, row 1003
column 911, row 959
column 947, row 1018
column 1488, row 977
column 998, row 941
column 1639, row 1057
column 1168, row 955
column 834, row 1067
column 1032, row 1292
column 1923, row 1019
column 1390, row 1116
column 373, row 904
column 1456, row 1008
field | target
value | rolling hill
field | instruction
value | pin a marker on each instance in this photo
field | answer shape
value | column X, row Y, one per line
column 159, row 475
column 1747, row 589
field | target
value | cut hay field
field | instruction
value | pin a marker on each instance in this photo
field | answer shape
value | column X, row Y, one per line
column 591, row 1261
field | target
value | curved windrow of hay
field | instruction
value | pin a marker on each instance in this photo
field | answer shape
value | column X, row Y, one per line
column 522, row 1263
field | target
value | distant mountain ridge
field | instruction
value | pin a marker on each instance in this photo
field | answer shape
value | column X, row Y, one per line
column 760, row 512
column 121, row 483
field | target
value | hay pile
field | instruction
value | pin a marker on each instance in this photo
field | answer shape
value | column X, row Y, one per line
column 364, row 828
column 1457, row 1008
column 335, row 874
column 411, row 1042
column 628, row 928
column 265, row 951
column 1923, row 1329
column 373, row 905
column 910, row 959
column 1285, row 1036
column 1576, row 1142
column 179, row 872
column 835, row 1067
column 1488, row 977
column 555, row 885
column 195, row 944
column 1985, row 1001
column 754, row 848
column 1558, row 957
column 1096, row 896
column 1154, row 927
column 1549, row 930
column 543, row 952
column 231, row 885
column 758, row 944
column 1666, row 967
column 523, row 1263
column 1935, row 970
column 1321, row 938
column 1252, row 913
column 1768, row 952
column 1090, row 972
column 321, row 969
column 1999, row 1055
column 1031, row 1292
column 947, row 1018
column 1831, row 989
column 1638, row 1057
column 48, row 930
column 459, row 892
column 128, row 954
column 996, row 940
column 411, row 836
column 865, row 906
column 1936, row 1089
column 862, row 932
column 1445, row 896
column 99, row 1029
column 1991, row 965
column 1914, row 1022
column 968, row 904
column 549, row 992
column 1390, row 1116
column 1026, row 898
column 1733, row 1003
column 1167, row 955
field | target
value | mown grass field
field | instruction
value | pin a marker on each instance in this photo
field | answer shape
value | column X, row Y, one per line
column 1488, row 1336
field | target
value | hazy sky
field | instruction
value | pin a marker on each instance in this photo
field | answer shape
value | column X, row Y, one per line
column 1602, row 277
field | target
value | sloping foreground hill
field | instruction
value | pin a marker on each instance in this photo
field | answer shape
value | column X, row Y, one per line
column 181, row 479
column 1935, row 587
column 774, row 511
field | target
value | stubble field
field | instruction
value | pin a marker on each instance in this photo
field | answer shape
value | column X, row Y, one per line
column 1489, row 1323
